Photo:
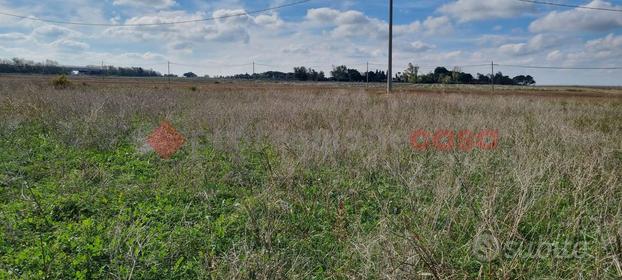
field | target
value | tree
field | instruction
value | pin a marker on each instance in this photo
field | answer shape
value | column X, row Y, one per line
column 464, row 78
column 455, row 74
column 523, row 80
column 376, row 76
column 340, row 73
column 189, row 75
column 411, row 74
column 441, row 71
column 483, row 79
column 428, row 79
column 354, row 75
column 301, row 73
column 500, row 79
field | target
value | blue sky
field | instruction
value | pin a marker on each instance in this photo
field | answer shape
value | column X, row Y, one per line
column 323, row 33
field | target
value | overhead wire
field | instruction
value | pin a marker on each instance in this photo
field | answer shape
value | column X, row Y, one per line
column 570, row 6
column 157, row 23
column 558, row 67
column 317, row 66
column 212, row 64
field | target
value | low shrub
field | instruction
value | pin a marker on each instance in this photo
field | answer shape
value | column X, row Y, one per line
column 62, row 82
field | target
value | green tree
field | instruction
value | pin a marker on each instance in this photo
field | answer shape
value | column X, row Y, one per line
column 411, row 74
column 340, row 73
column 301, row 73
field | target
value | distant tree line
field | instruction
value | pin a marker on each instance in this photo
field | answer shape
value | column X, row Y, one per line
column 338, row 74
column 441, row 75
column 22, row 66
column 342, row 73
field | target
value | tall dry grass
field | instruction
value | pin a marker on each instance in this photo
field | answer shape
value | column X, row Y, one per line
column 555, row 175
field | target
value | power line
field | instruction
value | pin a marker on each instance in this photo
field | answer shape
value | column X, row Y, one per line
column 271, row 65
column 390, row 68
column 210, row 64
column 570, row 6
column 156, row 24
column 559, row 68
column 217, row 65
column 473, row 65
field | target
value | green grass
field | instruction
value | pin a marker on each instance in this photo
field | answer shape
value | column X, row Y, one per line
column 298, row 183
column 100, row 212
column 79, row 213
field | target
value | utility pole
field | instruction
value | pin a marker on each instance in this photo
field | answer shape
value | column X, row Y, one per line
column 367, row 76
column 253, row 69
column 169, row 73
column 390, row 70
column 103, row 70
column 492, row 76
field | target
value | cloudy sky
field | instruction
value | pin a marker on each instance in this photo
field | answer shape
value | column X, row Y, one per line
column 322, row 33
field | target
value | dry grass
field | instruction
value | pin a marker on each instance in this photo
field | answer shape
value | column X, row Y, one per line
column 555, row 176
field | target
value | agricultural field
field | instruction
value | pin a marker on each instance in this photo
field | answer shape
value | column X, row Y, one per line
column 306, row 181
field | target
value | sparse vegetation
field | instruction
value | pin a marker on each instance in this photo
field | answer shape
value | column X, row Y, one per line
column 62, row 82
column 303, row 181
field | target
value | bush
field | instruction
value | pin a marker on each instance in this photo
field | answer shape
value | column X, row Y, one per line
column 61, row 82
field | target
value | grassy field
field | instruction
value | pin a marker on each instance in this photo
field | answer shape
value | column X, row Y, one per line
column 306, row 181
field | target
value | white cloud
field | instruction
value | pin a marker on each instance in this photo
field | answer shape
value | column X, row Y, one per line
column 555, row 56
column 158, row 4
column 413, row 27
column 348, row 24
column 70, row 45
column 579, row 19
column 271, row 21
column 14, row 36
column 606, row 52
column 536, row 44
column 296, row 50
column 322, row 15
column 495, row 40
column 470, row 10
column 181, row 46
column 452, row 55
column 438, row 25
column 228, row 27
column 610, row 42
column 53, row 32
column 419, row 46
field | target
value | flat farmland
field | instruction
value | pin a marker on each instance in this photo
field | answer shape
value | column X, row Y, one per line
column 307, row 180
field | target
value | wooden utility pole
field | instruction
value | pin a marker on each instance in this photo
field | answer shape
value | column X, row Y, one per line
column 169, row 72
column 492, row 76
column 367, row 73
column 390, row 70
column 253, row 69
